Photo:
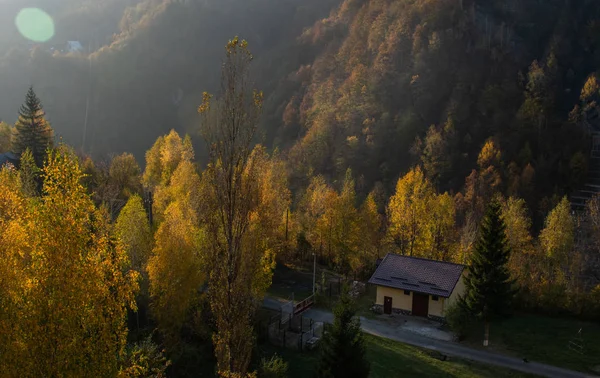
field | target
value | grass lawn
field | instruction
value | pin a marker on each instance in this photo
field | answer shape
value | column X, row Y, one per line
column 543, row 339
column 391, row 359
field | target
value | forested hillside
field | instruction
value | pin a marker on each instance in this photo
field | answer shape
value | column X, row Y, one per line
column 350, row 129
column 376, row 86
column 400, row 82
column 150, row 75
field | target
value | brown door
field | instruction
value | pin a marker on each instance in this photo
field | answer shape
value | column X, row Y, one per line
column 420, row 305
column 387, row 305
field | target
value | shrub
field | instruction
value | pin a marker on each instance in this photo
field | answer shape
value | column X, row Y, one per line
column 458, row 318
column 145, row 360
column 275, row 367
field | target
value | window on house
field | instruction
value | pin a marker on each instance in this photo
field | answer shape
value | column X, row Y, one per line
column 406, row 292
column 434, row 297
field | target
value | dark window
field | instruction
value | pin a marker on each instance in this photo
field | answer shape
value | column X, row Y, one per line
column 434, row 297
column 406, row 292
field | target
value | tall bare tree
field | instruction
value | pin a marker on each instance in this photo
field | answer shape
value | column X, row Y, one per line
column 238, row 263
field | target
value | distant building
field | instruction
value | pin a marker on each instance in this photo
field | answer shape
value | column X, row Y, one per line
column 416, row 286
column 74, row 46
column 9, row 158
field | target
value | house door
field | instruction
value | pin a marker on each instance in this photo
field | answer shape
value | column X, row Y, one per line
column 420, row 305
column 387, row 305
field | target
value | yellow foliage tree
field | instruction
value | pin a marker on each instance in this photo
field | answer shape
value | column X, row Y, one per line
column 241, row 266
column 518, row 224
column 133, row 230
column 75, row 282
column 371, row 223
column 175, row 268
column 557, row 237
column 439, row 227
column 14, row 246
column 164, row 157
column 408, row 212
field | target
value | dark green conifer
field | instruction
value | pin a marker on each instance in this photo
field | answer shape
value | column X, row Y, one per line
column 32, row 130
column 343, row 347
column 489, row 288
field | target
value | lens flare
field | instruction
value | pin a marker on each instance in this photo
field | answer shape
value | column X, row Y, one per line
column 35, row 24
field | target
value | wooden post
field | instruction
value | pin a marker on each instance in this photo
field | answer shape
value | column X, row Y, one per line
column 287, row 215
column 486, row 337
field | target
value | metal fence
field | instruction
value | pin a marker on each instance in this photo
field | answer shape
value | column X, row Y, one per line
column 293, row 332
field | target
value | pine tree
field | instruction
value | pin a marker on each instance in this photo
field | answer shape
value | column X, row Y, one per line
column 343, row 347
column 489, row 288
column 32, row 129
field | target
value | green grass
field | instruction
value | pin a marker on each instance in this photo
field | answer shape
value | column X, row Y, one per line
column 390, row 359
column 542, row 339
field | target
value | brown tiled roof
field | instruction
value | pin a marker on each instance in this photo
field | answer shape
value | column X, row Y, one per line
column 417, row 274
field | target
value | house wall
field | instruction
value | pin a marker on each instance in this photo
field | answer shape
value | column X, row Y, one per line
column 436, row 308
column 459, row 289
column 402, row 301
column 399, row 299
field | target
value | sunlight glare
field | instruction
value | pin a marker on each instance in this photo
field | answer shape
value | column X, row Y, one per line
column 35, row 24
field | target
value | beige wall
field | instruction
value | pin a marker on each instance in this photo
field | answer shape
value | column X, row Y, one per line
column 459, row 289
column 404, row 302
column 436, row 308
column 399, row 299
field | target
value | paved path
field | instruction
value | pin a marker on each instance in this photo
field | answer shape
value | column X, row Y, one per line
column 378, row 328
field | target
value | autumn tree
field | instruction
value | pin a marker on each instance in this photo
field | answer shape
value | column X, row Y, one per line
column 14, row 219
column 314, row 207
column 371, row 223
column 125, row 174
column 407, row 211
column 30, row 174
column 133, row 230
column 345, row 229
column 175, row 268
column 32, row 130
column 228, row 127
column 6, row 132
column 76, row 284
column 488, row 287
column 164, row 157
column 439, row 227
column 421, row 222
column 557, row 237
column 520, row 241
column 557, row 240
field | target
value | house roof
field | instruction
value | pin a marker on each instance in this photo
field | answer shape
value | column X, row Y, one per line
column 8, row 157
column 417, row 274
column 75, row 45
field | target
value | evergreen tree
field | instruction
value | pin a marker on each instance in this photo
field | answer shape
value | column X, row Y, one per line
column 489, row 288
column 32, row 129
column 343, row 347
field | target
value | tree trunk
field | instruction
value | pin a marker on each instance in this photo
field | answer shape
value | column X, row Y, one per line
column 486, row 336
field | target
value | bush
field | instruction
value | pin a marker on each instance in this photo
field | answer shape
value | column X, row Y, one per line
column 458, row 318
column 275, row 367
column 146, row 360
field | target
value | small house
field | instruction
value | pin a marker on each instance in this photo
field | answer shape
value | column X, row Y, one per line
column 416, row 286
column 74, row 46
column 9, row 158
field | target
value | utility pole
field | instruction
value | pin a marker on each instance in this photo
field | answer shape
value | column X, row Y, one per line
column 314, row 272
